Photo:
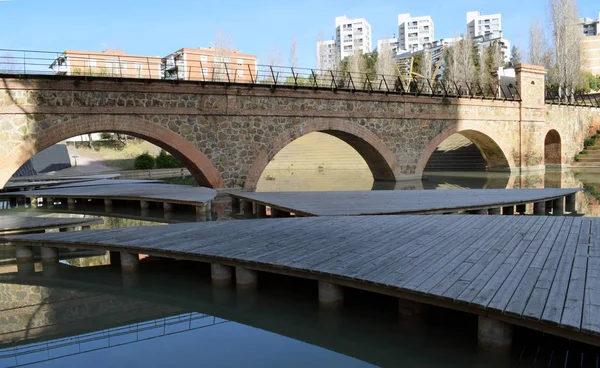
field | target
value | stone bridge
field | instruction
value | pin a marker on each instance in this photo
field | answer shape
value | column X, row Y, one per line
column 226, row 135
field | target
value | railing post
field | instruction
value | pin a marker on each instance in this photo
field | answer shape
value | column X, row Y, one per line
column 202, row 71
column 227, row 72
column 250, row 71
column 149, row 68
column 24, row 63
column 295, row 77
column 273, row 75
column 333, row 79
column 316, row 84
column 120, row 66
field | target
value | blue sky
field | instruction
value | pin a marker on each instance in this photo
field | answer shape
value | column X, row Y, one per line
column 260, row 27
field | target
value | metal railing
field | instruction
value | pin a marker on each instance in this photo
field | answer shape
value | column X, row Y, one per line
column 25, row 62
column 572, row 99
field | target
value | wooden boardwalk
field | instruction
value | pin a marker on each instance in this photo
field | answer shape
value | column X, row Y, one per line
column 18, row 225
column 388, row 202
column 536, row 271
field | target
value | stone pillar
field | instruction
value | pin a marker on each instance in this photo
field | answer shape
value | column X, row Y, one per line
column 549, row 205
column 508, row 210
column 115, row 258
column 493, row 334
column 570, row 203
column 129, row 262
column 558, row 206
column 220, row 275
column 235, row 205
column 247, row 208
column 245, row 279
column 144, row 205
column 539, row 208
column 330, row 295
column 23, row 253
column 521, row 209
column 495, row 211
column 261, row 210
column 49, row 255
column 409, row 310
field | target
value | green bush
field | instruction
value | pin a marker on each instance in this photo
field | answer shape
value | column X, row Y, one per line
column 144, row 162
column 576, row 157
column 167, row 161
column 589, row 142
column 584, row 152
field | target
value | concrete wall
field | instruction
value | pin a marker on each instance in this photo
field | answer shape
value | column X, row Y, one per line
column 227, row 136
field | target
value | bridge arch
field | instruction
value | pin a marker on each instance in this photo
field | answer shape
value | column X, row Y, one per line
column 552, row 148
column 493, row 149
column 199, row 165
column 381, row 160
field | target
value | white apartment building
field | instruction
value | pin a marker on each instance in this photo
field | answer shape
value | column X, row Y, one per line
column 590, row 27
column 486, row 41
column 391, row 43
column 352, row 35
column 489, row 26
column 327, row 55
column 414, row 32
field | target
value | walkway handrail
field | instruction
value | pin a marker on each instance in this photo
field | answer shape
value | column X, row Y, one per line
column 572, row 99
column 229, row 72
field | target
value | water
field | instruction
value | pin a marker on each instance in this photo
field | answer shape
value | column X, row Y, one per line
column 170, row 315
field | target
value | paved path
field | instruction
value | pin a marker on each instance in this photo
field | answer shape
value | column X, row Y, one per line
column 537, row 271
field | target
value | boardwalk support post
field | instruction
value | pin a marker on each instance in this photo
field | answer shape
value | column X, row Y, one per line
column 167, row 207
column 539, row 208
column 49, row 255
column 129, row 262
column 144, row 205
column 570, row 203
column 23, row 253
column 220, row 275
column 108, row 204
column 246, row 279
column 71, row 203
column 558, row 206
column 331, row 296
column 493, row 334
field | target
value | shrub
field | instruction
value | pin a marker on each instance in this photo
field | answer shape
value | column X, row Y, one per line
column 167, row 161
column 576, row 157
column 584, row 152
column 106, row 136
column 144, row 162
column 589, row 142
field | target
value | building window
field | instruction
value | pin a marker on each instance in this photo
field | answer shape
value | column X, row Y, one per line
column 227, row 60
column 240, row 73
column 108, row 65
column 124, row 65
column 92, row 63
column 204, row 58
column 138, row 66
column 240, row 62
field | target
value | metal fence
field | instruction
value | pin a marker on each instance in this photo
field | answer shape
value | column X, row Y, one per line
column 26, row 62
column 572, row 99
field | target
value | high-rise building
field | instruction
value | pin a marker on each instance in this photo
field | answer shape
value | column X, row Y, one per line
column 327, row 55
column 352, row 35
column 489, row 26
column 391, row 43
column 590, row 27
column 414, row 32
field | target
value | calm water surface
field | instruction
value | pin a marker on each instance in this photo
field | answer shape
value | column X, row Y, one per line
column 169, row 315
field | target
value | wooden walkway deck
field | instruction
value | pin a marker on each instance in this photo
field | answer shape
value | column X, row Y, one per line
column 18, row 225
column 536, row 271
column 388, row 202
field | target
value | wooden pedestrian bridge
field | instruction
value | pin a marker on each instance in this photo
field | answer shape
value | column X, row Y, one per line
column 540, row 272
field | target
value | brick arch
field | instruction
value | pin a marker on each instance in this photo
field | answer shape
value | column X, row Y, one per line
column 493, row 148
column 199, row 165
column 552, row 148
column 380, row 159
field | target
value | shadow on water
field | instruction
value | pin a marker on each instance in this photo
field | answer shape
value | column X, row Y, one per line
column 83, row 306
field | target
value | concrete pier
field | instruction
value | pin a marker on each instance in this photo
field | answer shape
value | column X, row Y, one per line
column 49, row 255
column 247, row 208
column 409, row 310
column 129, row 262
column 167, row 207
column 221, row 275
column 508, row 210
column 495, row 211
column 570, row 203
column 493, row 335
column 144, row 205
column 108, row 203
column 539, row 208
column 330, row 295
column 558, row 206
column 245, row 279
column 23, row 253
column 261, row 210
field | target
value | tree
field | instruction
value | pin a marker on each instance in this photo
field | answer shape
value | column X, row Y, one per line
column 293, row 55
column 566, row 33
column 385, row 66
column 492, row 58
column 539, row 50
column 515, row 56
column 222, row 45
column 357, row 67
column 8, row 64
column 460, row 62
